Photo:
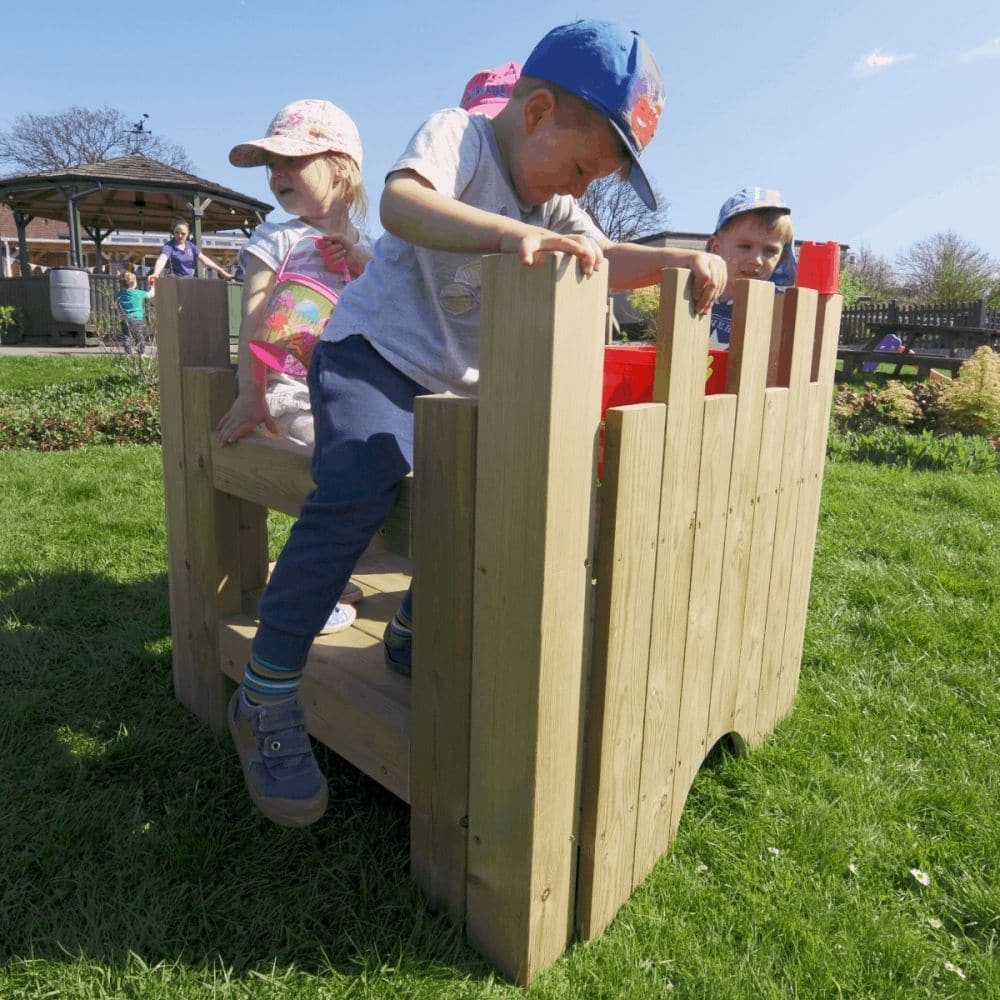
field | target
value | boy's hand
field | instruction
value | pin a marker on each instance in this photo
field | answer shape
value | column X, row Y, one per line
column 708, row 271
column 588, row 254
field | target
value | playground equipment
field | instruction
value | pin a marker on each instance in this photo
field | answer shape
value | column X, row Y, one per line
column 579, row 648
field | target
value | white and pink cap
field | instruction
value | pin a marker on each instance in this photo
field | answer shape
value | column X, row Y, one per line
column 302, row 128
column 489, row 90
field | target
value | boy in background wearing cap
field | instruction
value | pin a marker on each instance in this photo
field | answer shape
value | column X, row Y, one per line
column 754, row 237
column 586, row 105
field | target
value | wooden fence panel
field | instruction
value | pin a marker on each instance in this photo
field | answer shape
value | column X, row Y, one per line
column 626, row 564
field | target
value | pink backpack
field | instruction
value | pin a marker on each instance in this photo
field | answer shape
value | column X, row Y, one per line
column 298, row 308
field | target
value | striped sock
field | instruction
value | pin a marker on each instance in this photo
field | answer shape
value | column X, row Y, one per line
column 264, row 683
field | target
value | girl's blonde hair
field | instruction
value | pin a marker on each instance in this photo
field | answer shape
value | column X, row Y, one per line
column 128, row 279
column 344, row 168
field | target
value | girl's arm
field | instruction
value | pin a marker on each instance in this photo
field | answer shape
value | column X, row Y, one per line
column 250, row 409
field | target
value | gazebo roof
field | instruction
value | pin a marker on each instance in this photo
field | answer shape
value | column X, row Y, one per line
column 131, row 192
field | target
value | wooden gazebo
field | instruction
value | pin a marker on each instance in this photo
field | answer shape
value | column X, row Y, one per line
column 130, row 192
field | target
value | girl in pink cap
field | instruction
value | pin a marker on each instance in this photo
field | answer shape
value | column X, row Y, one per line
column 294, row 272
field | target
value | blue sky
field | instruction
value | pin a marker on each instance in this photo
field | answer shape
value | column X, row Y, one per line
column 879, row 121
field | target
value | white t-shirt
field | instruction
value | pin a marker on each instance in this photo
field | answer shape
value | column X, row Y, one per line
column 419, row 308
column 272, row 240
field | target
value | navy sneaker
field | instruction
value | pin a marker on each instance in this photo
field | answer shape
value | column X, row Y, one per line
column 279, row 768
column 397, row 641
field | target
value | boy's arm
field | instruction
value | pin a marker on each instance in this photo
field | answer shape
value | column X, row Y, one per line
column 634, row 266
column 414, row 211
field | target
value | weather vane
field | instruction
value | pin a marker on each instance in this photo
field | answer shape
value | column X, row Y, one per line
column 139, row 127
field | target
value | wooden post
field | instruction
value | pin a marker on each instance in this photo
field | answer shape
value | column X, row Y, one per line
column 442, row 543
column 542, row 357
column 206, row 531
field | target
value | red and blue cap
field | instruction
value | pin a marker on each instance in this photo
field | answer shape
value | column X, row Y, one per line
column 613, row 70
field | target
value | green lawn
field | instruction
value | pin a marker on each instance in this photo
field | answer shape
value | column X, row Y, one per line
column 133, row 864
column 27, row 372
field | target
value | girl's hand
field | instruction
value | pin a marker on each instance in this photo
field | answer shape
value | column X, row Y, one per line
column 588, row 254
column 339, row 248
column 246, row 414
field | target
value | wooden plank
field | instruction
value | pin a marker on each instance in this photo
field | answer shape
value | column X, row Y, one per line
column 703, row 607
column 798, row 328
column 277, row 473
column 748, row 362
column 682, row 346
column 813, row 463
column 542, row 365
column 189, row 315
column 775, row 410
column 443, row 540
column 353, row 704
column 626, row 564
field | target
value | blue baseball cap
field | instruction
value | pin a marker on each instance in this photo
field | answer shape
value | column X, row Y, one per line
column 613, row 70
column 749, row 199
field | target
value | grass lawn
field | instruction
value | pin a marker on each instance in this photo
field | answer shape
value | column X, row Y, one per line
column 27, row 372
column 133, row 864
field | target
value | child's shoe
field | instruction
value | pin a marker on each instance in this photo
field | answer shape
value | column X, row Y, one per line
column 352, row 593
column 279, row 768
column 340, row 618
column 397, row 641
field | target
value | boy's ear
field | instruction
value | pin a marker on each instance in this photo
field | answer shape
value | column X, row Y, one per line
column 713, row 244
column 537, row 105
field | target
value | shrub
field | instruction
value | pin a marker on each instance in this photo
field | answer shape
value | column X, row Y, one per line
column 887, row 445
column 971, row 403
column 109, row 410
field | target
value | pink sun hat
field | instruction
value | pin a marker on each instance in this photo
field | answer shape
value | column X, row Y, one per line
column 489, row 90
column 302, row 128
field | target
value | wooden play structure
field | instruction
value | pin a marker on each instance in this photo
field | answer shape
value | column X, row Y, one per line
column 579, row 648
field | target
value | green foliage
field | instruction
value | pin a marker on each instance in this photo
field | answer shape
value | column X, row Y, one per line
column 646, row 302
column 852, row 286
column 947, row 268
column 888, row 445
column 971, row 403
column 113, row 409
column 9, row 318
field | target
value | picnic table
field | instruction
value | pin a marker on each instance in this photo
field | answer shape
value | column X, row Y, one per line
column 925, row 346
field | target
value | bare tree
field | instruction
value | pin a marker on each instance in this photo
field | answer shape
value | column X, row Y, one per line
column 947, row 268
column 877, row 275
column 76, row 136
column 616, row 208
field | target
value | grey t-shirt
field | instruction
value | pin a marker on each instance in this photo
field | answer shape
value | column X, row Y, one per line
column 419, row 308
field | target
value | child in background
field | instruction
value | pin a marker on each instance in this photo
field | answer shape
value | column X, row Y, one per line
column 312, row 150
column 132, row 301
column 754, row 237
column 488, row 92
column 586, row 105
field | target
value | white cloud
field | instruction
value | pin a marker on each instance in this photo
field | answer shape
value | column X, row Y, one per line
column 990, row 48
column 877, row 60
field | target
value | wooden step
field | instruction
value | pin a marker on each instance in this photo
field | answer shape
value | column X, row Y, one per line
column 353, row 703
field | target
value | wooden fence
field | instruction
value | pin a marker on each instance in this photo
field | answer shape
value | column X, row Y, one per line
column 857, row 318
column 571, row 670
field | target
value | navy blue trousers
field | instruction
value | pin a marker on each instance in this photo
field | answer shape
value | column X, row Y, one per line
column 363, row 413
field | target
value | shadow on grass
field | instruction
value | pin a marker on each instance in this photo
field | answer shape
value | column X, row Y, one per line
column 126, row 827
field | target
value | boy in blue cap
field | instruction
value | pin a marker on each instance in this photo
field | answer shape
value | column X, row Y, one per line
column 587, row 103
column 754, row 237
